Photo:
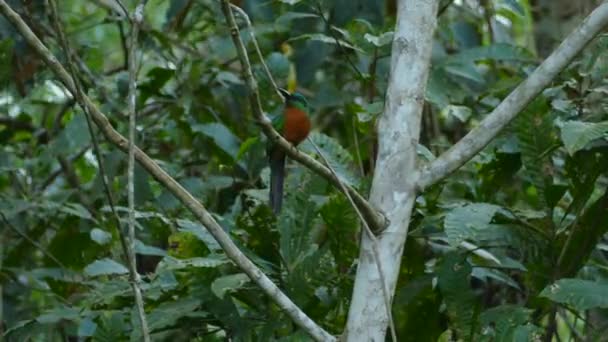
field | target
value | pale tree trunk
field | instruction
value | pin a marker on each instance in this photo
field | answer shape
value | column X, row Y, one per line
column 394, row 185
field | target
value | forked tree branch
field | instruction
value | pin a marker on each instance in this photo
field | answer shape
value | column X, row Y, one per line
column 376, row 220
column 513, row 104
column 197, row 209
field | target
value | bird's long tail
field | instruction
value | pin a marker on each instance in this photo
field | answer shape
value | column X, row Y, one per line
column 277, row 176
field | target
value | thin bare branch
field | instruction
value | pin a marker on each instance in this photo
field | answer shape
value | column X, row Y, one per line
column 136, row 22
column 257, row 48
column 31, row 241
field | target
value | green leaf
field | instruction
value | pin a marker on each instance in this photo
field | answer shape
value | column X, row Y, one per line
column 453, row 280
column 576, row 135
column 229, row 283
column 338, row 157
column 200, row 232
column 141, row 248
column 381, row 40
column 497, row 52
column 286, row 20
column 87, row 327
column 465, row 222
column 199, row 262
column 58, row 314
column 326, row 39
column 536, row 135
column 370, row 111
column 221, row 136
column 506, row 323
column 76, row 209
column 168, row 313
column 290, row 2
column 100, row 236
column 104, row 267
column 462, row 113
column 579, row 293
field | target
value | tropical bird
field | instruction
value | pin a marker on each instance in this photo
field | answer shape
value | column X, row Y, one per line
column 294, row 126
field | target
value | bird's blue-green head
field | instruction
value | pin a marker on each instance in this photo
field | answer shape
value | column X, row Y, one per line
column 295, row 99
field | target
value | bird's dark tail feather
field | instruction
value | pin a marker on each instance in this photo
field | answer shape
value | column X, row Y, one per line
column 277, row 176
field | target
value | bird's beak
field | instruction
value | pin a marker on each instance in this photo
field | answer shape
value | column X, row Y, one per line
column 285, row 93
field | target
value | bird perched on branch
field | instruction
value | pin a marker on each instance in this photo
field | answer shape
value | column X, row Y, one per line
column 294, row 126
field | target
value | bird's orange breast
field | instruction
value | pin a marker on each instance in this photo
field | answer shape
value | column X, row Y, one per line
column 297, row 125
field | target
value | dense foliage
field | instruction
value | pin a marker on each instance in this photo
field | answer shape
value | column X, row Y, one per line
column 510, row 247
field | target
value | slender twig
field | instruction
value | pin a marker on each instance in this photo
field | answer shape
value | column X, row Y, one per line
column 444, row 7
column 257, row 48
column 31, row 241
column 53, row 175
column 357, row 147
column 128, row 246
column 571, row 325
column 319, row 10
column 176, row 189
column 372, row 237
column 375, row 219
column 136, row 22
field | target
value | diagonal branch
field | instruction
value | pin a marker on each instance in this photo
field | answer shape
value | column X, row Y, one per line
column 376, row 220
column 519, row 98
column 197, row 209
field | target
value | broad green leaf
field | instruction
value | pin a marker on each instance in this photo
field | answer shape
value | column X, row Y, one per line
column 453, row 279
column 203, row 262
column 515, row 6
column 200, row 232
column 100, row 236
column 537, row 136
column 576, row 135
column 506, row 323
column 464, row 222
column 77, row 209
column 467, row 71
column 462, row 113
column 229, row 283
column 104, row 267
column 168, row 313
column 222, row 137
column 87, row 327
column 60, row 313
column 290, row 2
column 338, row 157
column 381, row 40
column 326, row 39
column 579, row 293
column 370, row 111
column 143, row 249
column 499, row 52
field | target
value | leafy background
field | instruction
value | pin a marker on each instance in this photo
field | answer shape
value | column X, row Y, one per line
column 511, row 247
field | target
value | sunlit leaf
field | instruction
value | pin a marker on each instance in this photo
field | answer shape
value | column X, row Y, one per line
column 576, row 135
column 463, row 223
column 104, row 267
column 225, row 284
column 579, row 293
